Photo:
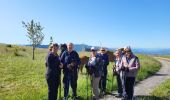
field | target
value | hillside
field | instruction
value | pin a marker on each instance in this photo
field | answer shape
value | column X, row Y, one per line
column 148, row 51
column 24, row 79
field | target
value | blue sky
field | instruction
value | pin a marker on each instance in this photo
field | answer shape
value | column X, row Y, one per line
column 110, row 23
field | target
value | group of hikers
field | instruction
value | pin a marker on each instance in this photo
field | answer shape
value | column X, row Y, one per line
column 126, row 66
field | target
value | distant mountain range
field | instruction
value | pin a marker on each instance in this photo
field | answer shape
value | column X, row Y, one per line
column 156, row 51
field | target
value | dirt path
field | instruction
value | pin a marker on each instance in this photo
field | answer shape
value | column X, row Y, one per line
column 146, row 86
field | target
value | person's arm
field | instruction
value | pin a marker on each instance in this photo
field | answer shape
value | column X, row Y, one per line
column 78, row 59
column 123, row 64
column 119, row 67
column 137, row 65
column 62, row 59
column 46, row 60
column 107, row 60
column 50, row 62
column 89, row 63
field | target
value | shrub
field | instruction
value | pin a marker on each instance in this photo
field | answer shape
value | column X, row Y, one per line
column 23, row 49
column 9, row 45
column 16, row 51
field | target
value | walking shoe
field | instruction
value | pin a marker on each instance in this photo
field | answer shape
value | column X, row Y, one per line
column 75, row 98
column 119, row 95
column 65, row 98
column 104, row 93
column 125, row 98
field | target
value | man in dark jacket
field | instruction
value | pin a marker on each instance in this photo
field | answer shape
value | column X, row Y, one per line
column 103, row 79
column 70, row 60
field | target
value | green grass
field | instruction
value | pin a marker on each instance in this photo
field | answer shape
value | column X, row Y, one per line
column 160, row 93
column 149, row 66
column 163, row 91
column 163, row 56
column 24, row 79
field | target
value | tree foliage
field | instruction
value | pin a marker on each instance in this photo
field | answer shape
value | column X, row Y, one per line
column 34, row 33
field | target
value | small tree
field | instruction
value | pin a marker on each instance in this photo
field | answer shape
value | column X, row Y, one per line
column 34, row 33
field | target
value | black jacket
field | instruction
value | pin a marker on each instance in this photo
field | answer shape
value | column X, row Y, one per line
column 52, row 65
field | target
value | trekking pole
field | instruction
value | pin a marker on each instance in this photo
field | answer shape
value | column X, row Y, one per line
column 113, row 76
column 91, row 88
column 60, row 87
column 87, row 84
column 112, row 82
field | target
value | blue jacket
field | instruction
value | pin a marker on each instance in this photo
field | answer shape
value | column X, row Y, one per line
column 67, row 58
column 105, row 58
column 96, row 69
column 52, row 65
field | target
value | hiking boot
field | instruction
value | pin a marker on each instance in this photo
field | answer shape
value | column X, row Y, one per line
column 104, row 93
column 119, row 95
column 65, row 98
column 125, row 98
column 75, row 98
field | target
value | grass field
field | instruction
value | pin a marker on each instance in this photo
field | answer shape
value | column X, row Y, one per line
column 21, row 78
column 165, row 57
column 163, row 91
column 160, row 93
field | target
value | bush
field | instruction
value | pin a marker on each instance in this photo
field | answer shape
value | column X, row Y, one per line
column 23, row 49
column 16, row 51
column 9, row 45
column 6, row 49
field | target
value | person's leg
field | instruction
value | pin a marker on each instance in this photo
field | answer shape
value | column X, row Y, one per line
column 104, row 83
column 49, row 83
column 100, row 85
column 131, row 87
column 119, row 84
column 57, row 83
column 95, row 84
column 73, row 83
column 66, row 80
column 130, row 81
column 123, row 80
column 52, row 89
column 127, row 82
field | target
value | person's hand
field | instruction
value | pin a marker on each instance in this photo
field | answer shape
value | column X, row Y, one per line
column 127, row 69
column 73, row 64
column 61, row 65
column 123, row 68
column 69, row 66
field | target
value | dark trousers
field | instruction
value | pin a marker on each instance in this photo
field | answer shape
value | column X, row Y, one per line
column 129, row 87
column 102, row 83
column 119, row 84
column 53, row 84
column 70, row 79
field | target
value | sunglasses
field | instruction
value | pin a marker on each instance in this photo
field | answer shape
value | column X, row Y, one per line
column 93, row 50
column 128, row 52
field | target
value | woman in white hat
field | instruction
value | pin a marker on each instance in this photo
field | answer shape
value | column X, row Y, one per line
column 95, row 64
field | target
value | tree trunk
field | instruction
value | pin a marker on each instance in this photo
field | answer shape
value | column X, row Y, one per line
column 33, row 49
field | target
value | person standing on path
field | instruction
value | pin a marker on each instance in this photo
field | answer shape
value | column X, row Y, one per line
column 103, row 80
column 71, row 61
column 117, row 61
column 95, row 65
column 130, row 64
column 53, row 72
